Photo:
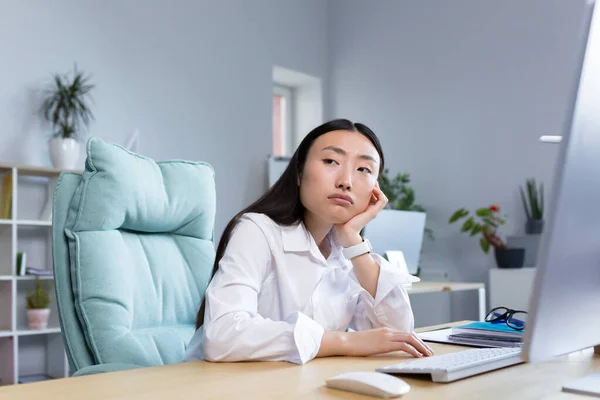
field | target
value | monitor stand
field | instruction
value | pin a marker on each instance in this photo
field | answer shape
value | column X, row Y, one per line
column 588, row 385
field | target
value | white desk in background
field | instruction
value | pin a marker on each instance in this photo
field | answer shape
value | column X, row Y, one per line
column 438, row 287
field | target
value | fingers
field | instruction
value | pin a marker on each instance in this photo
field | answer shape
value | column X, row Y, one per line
column 381, row 199
column 415, row 342
column 420, row 343
column 425, row 345
column 410, row 350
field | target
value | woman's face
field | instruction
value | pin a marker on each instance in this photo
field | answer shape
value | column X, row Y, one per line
column 340, row 172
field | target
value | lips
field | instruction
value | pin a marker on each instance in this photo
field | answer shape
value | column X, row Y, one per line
column 341, row 197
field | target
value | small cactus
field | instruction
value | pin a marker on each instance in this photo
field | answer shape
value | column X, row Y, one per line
column 38, row 298
column 533, row 202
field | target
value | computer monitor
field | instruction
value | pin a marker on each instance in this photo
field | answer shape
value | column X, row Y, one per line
column 396, row 230
column 564, row 312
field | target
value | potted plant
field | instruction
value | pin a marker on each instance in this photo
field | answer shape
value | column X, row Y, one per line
column 400, row 195
column 37, row 307
column 533, row 203
column 65, row 107
column 485, row 222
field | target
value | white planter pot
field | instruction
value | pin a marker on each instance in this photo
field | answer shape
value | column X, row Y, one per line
column 38, row 318
column 64, row 152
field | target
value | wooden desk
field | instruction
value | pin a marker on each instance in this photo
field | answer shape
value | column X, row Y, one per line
column 268, row 380
column 437, row 287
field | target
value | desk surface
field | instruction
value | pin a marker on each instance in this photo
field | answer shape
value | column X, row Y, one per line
column 431, row 287
column 203, row 380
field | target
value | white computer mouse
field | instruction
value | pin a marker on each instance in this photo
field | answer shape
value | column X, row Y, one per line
column 370, row 383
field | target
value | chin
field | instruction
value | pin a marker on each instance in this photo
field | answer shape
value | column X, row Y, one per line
column 339, row 215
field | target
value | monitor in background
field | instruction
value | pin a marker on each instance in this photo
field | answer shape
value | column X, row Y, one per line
column 394, row 230
column 564, row 312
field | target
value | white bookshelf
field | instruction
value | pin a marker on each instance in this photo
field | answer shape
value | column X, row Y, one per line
column 24, row 352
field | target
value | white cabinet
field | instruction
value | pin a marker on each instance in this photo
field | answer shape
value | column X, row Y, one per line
column 511, row 287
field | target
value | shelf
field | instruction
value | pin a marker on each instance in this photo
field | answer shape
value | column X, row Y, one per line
column 32, row 170
column 25, row 278
column 27, row 353
column 6, row 312
column 36, row 243
column 32, row 277
column 35, row 378
column 25, row 222
column 41, row 355
column 6, row 247
column 30, row 332
column 7, row 360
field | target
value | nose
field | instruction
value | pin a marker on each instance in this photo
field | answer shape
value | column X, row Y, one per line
column 344, row 180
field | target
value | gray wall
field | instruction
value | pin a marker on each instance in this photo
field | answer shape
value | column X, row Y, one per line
column 459, row 94
column 193, row 76
column 458, row 91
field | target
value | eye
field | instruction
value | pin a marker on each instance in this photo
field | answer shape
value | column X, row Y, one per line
column 329, row 161
column 364, row 169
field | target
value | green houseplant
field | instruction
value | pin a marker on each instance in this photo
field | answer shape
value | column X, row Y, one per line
column 38, row 301
column 533, row 204
column 400, row 195
column 66, row 108
column 485, row 222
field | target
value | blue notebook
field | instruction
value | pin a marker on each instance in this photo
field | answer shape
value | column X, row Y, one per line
column 488, row 328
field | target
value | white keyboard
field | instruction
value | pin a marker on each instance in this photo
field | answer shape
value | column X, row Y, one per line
column 453, row 366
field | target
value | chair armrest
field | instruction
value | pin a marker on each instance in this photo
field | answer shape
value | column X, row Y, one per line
column 102, row 368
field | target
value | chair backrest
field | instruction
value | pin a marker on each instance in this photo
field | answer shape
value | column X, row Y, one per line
column 133, row 248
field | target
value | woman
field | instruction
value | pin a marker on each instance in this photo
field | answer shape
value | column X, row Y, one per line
column 293, row 278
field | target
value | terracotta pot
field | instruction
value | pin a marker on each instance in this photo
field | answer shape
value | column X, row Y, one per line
column 38, row 318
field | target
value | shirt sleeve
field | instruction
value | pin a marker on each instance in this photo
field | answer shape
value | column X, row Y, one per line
column 233, row 329
column 391, row 305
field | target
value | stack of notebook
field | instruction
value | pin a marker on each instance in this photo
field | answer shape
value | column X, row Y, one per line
column 487, row 333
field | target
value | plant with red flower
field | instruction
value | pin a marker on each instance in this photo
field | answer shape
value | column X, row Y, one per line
column 484, row 221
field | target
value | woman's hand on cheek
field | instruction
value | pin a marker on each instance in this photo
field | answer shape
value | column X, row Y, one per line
column 348, row 233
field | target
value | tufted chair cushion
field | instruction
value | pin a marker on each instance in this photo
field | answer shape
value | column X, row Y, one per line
column 139, row 239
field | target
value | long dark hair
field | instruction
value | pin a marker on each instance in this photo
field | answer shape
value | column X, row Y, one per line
column 281, row 202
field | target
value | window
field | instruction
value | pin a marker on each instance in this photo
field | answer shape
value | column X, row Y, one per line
column 297, row 108
column 282, row 120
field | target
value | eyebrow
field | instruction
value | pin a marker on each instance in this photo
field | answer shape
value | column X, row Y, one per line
column 343, row 153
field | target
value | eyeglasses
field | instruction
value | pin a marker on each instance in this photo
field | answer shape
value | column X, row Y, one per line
column 513, row 318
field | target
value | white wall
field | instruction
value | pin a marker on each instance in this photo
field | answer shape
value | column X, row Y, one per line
column 459, row 93
column 193, row 76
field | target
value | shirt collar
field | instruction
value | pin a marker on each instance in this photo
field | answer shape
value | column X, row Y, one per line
column 298, row 238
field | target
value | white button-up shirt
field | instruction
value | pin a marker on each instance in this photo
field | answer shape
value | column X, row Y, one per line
column 275, row 294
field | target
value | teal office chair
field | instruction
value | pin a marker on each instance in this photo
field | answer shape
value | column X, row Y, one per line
column 133, row 252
